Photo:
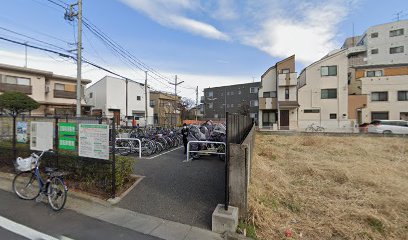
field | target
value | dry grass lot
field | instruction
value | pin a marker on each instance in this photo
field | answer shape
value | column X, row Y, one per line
column 325, row 187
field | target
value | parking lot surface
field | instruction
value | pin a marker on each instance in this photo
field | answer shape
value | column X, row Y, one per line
column 183, row 192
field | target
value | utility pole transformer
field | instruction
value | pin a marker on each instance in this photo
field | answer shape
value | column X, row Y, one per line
column 146, row 115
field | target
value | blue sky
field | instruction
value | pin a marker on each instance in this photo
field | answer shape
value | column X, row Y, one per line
column 206, row 43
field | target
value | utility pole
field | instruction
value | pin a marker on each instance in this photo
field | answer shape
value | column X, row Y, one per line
column 196, row 103
column 25, row 46
column 146, row 115
column 70, row 16
column 175, row 97
column 126, row 114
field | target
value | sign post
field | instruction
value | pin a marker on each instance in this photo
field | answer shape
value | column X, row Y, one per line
column 94, row 141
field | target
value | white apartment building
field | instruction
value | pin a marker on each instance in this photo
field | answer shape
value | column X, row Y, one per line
column 323, row 93
column 278, row 105
column 109, row 97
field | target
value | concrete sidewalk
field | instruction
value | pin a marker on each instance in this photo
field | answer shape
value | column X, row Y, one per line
column 146, row 224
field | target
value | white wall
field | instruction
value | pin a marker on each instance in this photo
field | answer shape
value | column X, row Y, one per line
column 268, row 82
column 309, row 96
column 384, row 42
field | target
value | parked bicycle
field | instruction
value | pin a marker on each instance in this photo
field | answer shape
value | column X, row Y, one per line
column 314, row 128
column 28, row 184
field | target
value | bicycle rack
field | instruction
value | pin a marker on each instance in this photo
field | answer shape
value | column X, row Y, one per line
column 203, row 151
column 131, row 139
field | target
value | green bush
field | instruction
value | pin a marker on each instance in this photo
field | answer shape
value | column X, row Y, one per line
column 87, row 174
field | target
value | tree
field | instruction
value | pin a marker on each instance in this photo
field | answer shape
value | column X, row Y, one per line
column 244, row 109
column 184, row 106
column 15, row 103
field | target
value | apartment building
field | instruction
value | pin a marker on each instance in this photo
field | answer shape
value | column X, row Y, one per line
column 115, row 97
column 323, row 93
column 55, row 93
column 278, row 101
column 239, row 98
column 378, row 73
column 165, row 108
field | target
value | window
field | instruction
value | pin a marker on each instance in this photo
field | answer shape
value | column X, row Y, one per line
column 253, row 115
column 210, row 105
column 253, row 103
column 210, row 94
column 395, row 50
column 402, row 95
column 397, row 32
column 284, row 71
column 228, row 93
column 215, row 115
column 311, row 111
column 379, row 115
column 374, row 51
column 239, row 105
column 90, row 95
column 286, row 93
column 269, row 94
column 253, row 90
column 232, row 105
column 138, row 98
column 333, row 116
column 16, row 80
column 376, row 73
column 379, row 96
column 329, row 71
column 329, row 93
column 239, row 92
column 59, row 87
column 232, row 93
column 374, row 35
column 152, row 103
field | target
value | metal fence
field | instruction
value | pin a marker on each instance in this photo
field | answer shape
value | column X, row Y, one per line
column 238, row 127
column 62, row 159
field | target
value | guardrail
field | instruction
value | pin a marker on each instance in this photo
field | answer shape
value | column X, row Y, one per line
column 203, row 151
column 130, row 146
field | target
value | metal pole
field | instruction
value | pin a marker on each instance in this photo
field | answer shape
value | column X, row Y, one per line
column 126, row 114
column 226, row 203
column 56, row 142
column 196, row 103
column 175, row 100
column 146, row 114
column 113, row 140
column 79, row 60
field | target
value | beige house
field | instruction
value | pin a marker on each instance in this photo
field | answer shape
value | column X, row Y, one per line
column 381, row 92
column 55, row 93
column 165, row 108
column 323, row 93
column 278, row 102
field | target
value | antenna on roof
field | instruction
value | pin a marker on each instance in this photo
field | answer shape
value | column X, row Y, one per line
column 353, row 37
column 399, row 15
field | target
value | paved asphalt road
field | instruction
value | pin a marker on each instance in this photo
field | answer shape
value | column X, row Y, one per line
column 66, row 223
column 177, row 191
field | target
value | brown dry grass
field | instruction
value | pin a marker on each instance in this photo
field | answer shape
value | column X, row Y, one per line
column 325, row 187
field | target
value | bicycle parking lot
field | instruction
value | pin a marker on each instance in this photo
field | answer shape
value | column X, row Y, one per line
column 176, row 190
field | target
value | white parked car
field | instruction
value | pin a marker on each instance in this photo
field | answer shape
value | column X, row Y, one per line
column 388, row 126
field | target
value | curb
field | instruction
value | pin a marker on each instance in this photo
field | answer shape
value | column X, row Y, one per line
column 125, row 193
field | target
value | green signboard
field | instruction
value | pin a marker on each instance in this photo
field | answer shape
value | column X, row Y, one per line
column 67, row 136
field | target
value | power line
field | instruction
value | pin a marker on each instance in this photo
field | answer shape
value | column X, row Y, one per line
column 67, row 56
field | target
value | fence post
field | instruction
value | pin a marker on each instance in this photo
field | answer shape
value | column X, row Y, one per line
column 113, row 140
column 14, row 138
column 226, row 203
column 56, row 142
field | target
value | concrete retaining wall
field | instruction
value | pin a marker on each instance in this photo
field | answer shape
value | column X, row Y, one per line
column 240, row 172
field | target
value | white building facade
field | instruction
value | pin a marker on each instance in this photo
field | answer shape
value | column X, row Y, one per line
column 109, row 97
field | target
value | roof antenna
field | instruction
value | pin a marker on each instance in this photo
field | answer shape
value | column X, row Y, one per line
column 399, row 15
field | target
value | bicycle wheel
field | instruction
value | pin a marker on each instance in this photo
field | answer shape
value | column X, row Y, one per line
column 123, row 148
column 57, row 193
column 26, row 186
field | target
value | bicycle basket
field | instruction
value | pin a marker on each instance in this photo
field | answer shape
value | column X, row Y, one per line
column 24, row 164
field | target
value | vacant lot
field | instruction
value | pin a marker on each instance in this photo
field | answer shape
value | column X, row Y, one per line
column 325, row 187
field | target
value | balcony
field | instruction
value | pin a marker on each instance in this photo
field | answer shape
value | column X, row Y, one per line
column 287, row 79
column 356, row 49
column 27, row 89
column 202, row 100
column 64, row 94
column 268, row 103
